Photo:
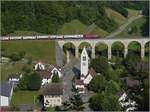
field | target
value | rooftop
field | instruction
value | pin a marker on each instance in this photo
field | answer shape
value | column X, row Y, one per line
column 5, row 89
column 53, row 89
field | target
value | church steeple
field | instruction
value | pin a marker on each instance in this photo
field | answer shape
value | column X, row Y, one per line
column 84, row 62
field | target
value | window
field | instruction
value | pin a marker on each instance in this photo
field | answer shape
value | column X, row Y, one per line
column 84, row 58
column 83, row 64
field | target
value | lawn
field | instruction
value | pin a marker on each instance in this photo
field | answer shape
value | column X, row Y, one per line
column 72, row 27
column 118, row 18
column 10, row 68
column 77, row 27
column 26, row 33
column 24, row 97
column 43, row 50
column 138, row 23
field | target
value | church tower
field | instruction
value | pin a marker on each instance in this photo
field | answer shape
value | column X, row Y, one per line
column 84, row 62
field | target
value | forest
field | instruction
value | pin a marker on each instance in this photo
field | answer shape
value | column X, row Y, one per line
column 47, row 17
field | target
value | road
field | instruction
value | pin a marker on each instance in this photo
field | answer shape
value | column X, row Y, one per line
column 122, row 27
column 58, row 54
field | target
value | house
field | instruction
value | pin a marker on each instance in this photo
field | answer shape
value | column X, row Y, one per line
column 56, row 70
column 52, row 95
column 46, row 77
column 79, row 85
column 130, row 82
column 14, row 78
column 47, row 74
column 39, row 66
column 6, row 94
column 89, row 76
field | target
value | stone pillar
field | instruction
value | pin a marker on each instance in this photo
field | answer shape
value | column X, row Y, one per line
column 93, row 52
column 125, row 51
column 142, row 52
column 68, row 56
column 76, row 52
column 109, row 51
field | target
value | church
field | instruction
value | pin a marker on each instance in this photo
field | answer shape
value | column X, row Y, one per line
column 86, row 74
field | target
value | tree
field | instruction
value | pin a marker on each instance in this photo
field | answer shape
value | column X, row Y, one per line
column 110, row 103
column 95, row 102
column 112, row 87
column 23, row 82
column 15, row 57
column 131, row 63
column 55, row 78
column 76, row 102
column 98, row 83
column 100, row 64
column 34, row 81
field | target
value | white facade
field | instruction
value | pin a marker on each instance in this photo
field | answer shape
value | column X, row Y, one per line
column 46, row 81
column 39, row 66
column 88, row 79
column 4, row 101
column 55, row 70
column 84, row 62
column 52, row 101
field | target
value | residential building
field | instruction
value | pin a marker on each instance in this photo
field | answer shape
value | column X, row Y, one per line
column 52, row 94
column 6, row 94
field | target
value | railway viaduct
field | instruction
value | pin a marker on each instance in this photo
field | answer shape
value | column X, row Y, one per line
column 108, row 42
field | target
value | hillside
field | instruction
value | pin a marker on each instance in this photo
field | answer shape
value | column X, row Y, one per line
column 76, row 27
column 138, row 27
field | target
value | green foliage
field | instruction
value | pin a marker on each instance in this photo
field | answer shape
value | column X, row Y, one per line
column 98, row 83
column 34, row 81
column 100, row 64
column 76, row 101
column 55, row 78
column 110, row 103
column 112, row 87
column 15, row 57
column 131, row 63
column 30, row 81
column 96, row 102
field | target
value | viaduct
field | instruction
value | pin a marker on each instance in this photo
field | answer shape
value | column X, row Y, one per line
column 108, row 42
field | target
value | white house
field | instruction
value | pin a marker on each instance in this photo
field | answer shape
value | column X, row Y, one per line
column 89, row 76
column 14, row 78
column 47, row 75
column 79, row 85
column 52, row 94
column 6, row 94
column 55, row 69
column 39, row 66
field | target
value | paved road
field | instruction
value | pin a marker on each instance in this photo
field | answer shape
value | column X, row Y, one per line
column 59, row 54
column 121, row 28
column 67, row 79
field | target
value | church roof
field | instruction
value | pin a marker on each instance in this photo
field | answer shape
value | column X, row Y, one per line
column 79, row 82
column 92, row 72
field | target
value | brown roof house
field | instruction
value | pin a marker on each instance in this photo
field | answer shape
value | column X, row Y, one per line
column 53, row 95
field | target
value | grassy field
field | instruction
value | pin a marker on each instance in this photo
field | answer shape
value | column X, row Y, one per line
column 26, row 33
column 10, row 68
column 138, row 23
column 116, row 16
column 43, row 50
column 76, row 27
column 24, row 97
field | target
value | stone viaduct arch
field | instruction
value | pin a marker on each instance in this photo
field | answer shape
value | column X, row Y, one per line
column 108, row 42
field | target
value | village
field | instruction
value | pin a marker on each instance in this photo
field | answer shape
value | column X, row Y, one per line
column 56, row 91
